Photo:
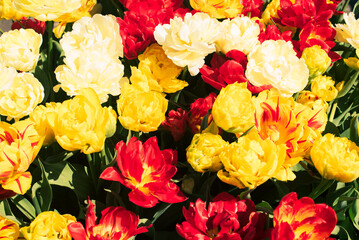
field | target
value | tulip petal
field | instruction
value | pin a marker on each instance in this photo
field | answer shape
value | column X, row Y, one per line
column 19, row 184
column 77, row 231
column 141, row 199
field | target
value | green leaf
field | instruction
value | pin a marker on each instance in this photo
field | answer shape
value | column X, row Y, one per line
column 346, row 133
column 331, row 128
column 264, row 207
column 41, row 191
column 321, row 188
column 340, row 231
column 338, row 119
column 354, row 136
column 354, row 214
column 356, row 10
column 348, row 85
column 63, row 156
column 41, row 75
column 5, row 211
column 204, row 123
column 24, row 206
column 162, row 210
column 72, row 176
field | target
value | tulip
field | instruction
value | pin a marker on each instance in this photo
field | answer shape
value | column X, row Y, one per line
column 226, row 218
column 82, row 123
column 115, row 223
column 147, row 171
column 9, row 230
column 48, row 225
column 203, row 152
column 233, row 109
column 19, row 145
column 339, row 162
column 302, row 219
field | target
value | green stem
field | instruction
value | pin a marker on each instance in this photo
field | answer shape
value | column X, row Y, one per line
column 343, row 8
column 177, row 105
column 36, row 204
column 246, row 194
column 50, row 60
column 322, row 187
column 129, row 136
column 92, row 170
column 332, row 112
column 1, row 31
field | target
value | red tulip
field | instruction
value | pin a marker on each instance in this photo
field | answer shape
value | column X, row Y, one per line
column 300, row 12
column 227, row 218
column 302, row 219
column 176, row 122
column 273, row 33
column 318, row 33
column 116, row 223
column 146, row 170
column 35, row 24
column 199, row 109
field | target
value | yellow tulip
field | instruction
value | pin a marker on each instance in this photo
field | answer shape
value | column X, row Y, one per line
column 140, row 110
column 41, row 121
column 7, row 11
column 233, row 109
column 21, row 98
column 203, row 152
column 48, row 225
column 218, row 9
column 82, row 123
column 336, row 158
column 251, row 162
column 9, row 229
column 323, row 87
column 160, row 70
column 316, row 59
column 20, row 49
column 311, row 100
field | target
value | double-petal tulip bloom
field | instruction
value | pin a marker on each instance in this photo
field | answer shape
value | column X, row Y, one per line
column 20, row 49
column 115, row 223
column 19, row 145
column 340, row 161
column 203, row 152
column 226, row 218
column 302, row 219
column 82, row 123
column 140, row 110
column 48, row 225
column 284, row 121
column 9, row 230
column 146, row 170
column 233, row 109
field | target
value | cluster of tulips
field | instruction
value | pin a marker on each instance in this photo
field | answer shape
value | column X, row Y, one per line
column 179, row 119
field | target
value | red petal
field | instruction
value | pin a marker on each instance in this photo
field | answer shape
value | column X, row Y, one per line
column 142, row 200
column 77, row 231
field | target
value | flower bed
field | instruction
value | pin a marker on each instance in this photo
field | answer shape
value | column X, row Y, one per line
column 172, row 119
